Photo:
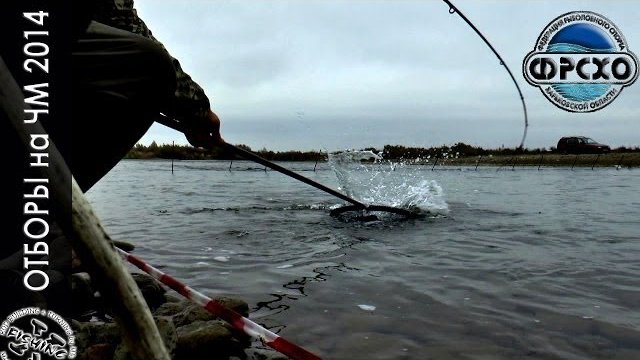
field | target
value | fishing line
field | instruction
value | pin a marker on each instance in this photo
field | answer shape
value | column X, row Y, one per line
column 453, row 9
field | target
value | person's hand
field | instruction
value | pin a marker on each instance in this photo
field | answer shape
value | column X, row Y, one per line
column 206, row 134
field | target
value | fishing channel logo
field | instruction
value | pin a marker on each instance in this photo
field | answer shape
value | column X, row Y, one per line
column 36, row 334
column 581, row 62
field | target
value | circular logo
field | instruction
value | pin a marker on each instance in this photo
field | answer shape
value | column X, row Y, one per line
column 36, row 334
column 581, row 62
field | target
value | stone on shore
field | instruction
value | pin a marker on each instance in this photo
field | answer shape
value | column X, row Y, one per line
column 188, row 331
column 205, row 340
column 151, row 289
column 168, row 334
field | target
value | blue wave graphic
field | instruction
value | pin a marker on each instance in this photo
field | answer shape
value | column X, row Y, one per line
column 581, row 92
column 574, row 48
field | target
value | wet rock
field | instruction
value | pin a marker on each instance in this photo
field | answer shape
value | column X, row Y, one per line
column 170, row 308
column 151, row 289
column 172, row 298
column 196, row 312
column 128, row 247
column 168, row 333
column 122, row 353
column 188, row 331
column 191, row 313
column 263, row 354
column 92, row 333
column 235, row 304
column 205, row 340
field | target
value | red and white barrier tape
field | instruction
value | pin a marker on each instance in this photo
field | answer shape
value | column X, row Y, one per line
column 236, row 320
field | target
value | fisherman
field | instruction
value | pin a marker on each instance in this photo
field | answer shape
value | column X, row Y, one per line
column 125, row 79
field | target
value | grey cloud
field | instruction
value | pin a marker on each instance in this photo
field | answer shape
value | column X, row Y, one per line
column 373, row 71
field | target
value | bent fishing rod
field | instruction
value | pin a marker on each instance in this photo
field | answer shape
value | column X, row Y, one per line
column 355, row 204
column 453, row 9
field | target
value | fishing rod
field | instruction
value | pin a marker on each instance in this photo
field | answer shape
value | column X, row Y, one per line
column 356, row 205
column 262, row 161
column 453, row 9
column 236, row 320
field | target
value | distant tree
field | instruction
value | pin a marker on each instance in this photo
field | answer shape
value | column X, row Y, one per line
column 388, row 152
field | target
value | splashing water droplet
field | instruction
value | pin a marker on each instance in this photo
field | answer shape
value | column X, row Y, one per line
column 366, row 176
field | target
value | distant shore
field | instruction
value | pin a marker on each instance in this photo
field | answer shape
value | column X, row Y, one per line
column 627, row 159
column 457, row 155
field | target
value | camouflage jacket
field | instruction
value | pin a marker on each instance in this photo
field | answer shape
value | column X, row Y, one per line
column 190, row 102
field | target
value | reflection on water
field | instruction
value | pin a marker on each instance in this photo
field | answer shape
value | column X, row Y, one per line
column 297, row 290
column 526, row 264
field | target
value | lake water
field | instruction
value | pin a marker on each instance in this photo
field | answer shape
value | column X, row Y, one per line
column 522, row 264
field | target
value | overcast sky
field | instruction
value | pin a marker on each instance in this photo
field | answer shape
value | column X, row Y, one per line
column 338, row 74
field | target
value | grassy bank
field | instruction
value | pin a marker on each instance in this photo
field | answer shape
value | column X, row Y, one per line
column 629, row 159
column 459, row 154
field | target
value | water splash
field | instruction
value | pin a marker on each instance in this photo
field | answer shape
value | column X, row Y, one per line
column 367, row 177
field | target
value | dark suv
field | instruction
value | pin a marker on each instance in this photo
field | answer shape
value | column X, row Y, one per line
column 581, row 145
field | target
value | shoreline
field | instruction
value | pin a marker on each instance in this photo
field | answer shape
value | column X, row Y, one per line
column 545, row 160
column 616, row 159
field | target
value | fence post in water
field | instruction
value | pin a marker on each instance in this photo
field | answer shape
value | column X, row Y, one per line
column 92, row 243
column 317, row 159
column 435, row 162
column 503, row 164
column 620, row 162
column 540, row 163
column 594, row 163
column 231, row 163
column 574, row 161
